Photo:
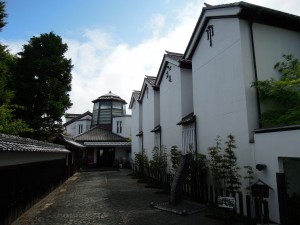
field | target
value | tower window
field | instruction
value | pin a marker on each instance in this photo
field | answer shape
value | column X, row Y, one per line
column 80, row 128
column 119, row 127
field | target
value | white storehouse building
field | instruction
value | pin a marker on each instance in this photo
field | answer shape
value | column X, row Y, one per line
column 206, row 92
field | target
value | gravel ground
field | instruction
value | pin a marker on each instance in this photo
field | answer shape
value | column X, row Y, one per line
column 106, row 198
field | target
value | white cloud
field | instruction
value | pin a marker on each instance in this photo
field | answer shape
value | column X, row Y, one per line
column 102, row 65
column 13, row 46
column 157, row 23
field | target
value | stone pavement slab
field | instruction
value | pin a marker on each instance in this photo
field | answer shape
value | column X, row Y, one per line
column 105, row 198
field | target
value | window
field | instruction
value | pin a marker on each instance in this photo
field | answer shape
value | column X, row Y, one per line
column 80, row 128
column 157, row 140
column 117, row 105
column 105, row 105
column 188, row 138
column 119, row 127
column 95, row 113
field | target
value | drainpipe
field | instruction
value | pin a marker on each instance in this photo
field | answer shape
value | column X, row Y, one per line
column 196, row 143
column 255, row 71
column 142, row 143
column 160, row 141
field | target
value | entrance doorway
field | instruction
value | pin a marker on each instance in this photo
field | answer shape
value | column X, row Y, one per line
column 105, row 157
column 289, row 191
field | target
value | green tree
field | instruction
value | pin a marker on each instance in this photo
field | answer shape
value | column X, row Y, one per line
column 6, row 63
column 141, row 162
column 216, row 165
column 231, row 170
column 175, row 157
column 8, row 124
column 223, row 164
column 159, row 163
column 283, row 94
column 250, row 175
column 42, row 82
column 3, row 15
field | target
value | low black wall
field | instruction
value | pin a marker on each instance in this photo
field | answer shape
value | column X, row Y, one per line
column 23, row 185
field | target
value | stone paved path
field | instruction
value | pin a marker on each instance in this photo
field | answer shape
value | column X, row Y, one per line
column 105, row 198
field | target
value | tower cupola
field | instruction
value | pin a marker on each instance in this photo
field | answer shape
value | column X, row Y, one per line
column 105, row 108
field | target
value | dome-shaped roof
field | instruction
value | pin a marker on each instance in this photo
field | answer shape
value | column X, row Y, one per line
column 110, row 97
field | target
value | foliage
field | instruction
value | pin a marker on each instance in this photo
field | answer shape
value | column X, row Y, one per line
column 284, row 94
column 141, row 161
column 159, row 159
column 231, row 170
column 216, row 165
column 3, row 15
column 249, row 176
column 199, row 165
column 6, row 64
column 42, row 82
column 175, row 157
column 224, row 167
column 197, row 171
column 8, row 124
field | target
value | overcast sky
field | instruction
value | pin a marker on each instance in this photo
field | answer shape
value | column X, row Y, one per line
column 113, row 44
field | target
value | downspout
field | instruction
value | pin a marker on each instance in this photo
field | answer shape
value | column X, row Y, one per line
column 143, row 144
column 160, row 141
column 255, row 72
column 196, row 143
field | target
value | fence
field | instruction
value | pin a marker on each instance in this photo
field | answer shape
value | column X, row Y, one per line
column 196, row 187
column 23, row 185
column 193, row 186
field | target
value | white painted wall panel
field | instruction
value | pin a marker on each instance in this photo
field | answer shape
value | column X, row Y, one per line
column 170, row 108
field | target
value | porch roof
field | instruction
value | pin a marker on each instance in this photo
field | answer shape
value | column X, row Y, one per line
column 99, row 134
column 156, row 129
column 107, row 144
column 187, row 119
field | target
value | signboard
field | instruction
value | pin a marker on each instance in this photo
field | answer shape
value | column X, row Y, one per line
column 226, row 202
column 260, row 190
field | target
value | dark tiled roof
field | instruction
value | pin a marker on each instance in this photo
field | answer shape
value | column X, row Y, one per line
column 110, row 96
column 187, row 119
column 79, row 116
column 174, row 55
column 134, row 97
column 148, row 80
column 9, row 143
column 98, row 134
column 151, row 80
column 168, row 58
column 108, row 144
column 136, row 94
column 186, row 63
column 68, row 142
column 72, row 115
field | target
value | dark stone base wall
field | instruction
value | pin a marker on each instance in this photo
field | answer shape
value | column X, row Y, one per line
column 21, row 186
